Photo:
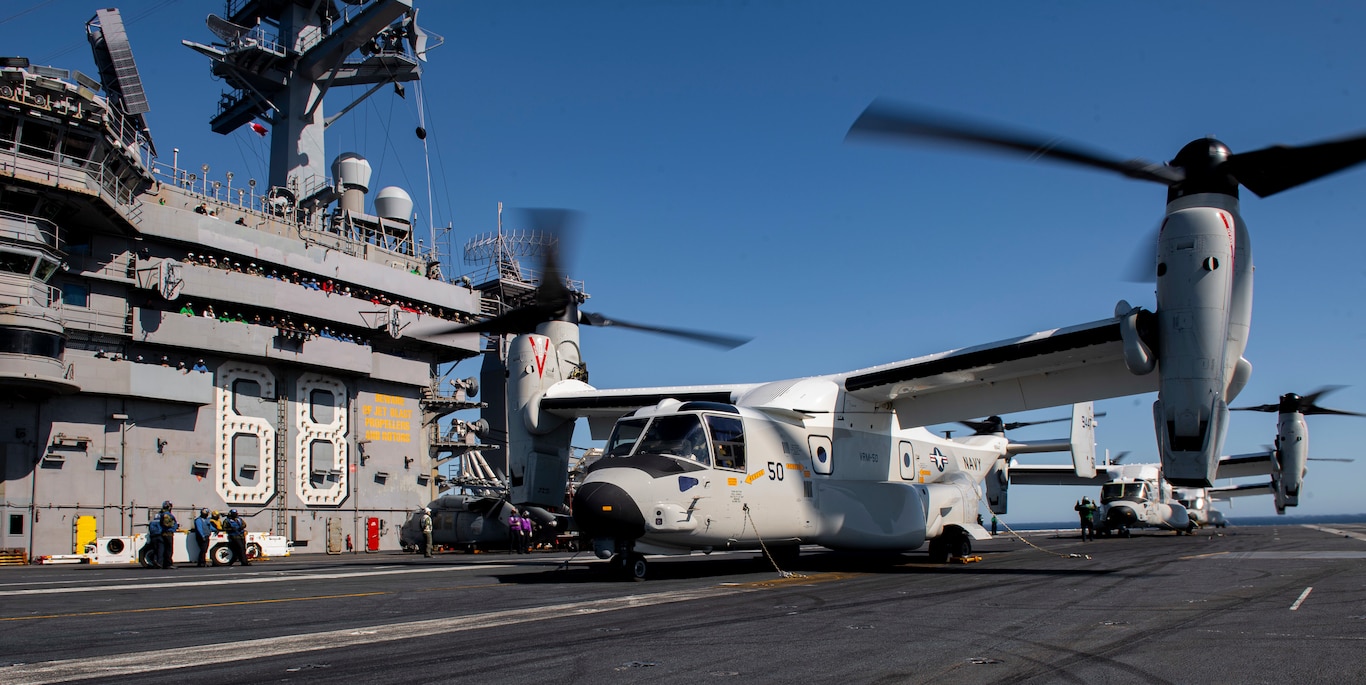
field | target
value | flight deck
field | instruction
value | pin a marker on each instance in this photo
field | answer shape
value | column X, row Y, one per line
column 1284, row 603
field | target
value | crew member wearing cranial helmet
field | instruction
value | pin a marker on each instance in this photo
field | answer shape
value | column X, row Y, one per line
column 203, row 529
column 168, row 530
column 427, row 532
column 236, row 528
column 1086, row 511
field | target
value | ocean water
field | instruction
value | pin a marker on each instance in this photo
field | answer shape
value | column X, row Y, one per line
column 1232, row 521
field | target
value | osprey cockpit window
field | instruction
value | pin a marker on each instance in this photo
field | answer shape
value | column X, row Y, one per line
column 624, row 437
column 728, row 437
column 1133, row 492
column 679, row 435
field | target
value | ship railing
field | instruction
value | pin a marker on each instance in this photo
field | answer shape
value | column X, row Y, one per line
column 217, row 191
column 94, row 320
column 316, row 35
column 123, row 129
column 221, row 194
column 258, row 39
column 44, row 229
column 514, row 271
column 130, row 134
column 365, row 249
column 55, row 167
column 35, row 295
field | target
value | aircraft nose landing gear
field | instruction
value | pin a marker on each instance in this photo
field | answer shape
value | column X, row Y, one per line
column 629, row 566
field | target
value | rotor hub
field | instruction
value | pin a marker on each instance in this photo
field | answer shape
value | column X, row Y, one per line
column 1203, row 161
column 1291, row 403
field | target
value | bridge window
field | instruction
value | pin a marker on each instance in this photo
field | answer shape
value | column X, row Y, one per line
column 17, row 262
column 38, row 140
column 8, row 129
column 75, row 295
column 46, row 268
column 77, row 149
column 728, row 436
column 37, row 343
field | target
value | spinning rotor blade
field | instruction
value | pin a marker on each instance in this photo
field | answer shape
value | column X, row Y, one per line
column 1142, row 264
column 1270, row 170
column 553, row 299
column 1270, row 408
column 885, row 119
column 717, row 339
column 1303, row 404
column 994, row 424
column 1119, row 457
column 1310, row 402
column 1207, row 164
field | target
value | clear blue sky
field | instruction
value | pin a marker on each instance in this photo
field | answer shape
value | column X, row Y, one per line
column 704, row 142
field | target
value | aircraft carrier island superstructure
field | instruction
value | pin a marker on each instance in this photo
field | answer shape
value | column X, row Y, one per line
column 222, row 344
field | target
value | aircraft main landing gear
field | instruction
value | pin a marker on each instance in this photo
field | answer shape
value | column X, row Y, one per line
column 954, row 544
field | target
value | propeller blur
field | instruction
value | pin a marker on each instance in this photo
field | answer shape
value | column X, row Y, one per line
column 1203, row 262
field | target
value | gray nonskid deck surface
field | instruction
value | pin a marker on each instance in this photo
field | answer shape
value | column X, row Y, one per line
column 1247, row 604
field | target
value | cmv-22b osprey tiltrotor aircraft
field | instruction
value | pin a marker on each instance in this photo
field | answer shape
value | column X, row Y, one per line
column 1137, row 495
column 841, row 460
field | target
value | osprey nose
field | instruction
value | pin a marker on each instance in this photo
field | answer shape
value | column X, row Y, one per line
column 604, row 510
column 1123, row 516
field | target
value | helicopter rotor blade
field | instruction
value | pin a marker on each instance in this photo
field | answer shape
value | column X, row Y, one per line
column 1331, row 412
column 1304, row 404
column 1271, row 408
column 1265, row 172
column 1281, row 167
column 1310, row 403
column 994, row 424
column 722, row 340
column 552, row 297
column 558, row 225
column 987, row 426
column 884, row 119
column 1142, row 264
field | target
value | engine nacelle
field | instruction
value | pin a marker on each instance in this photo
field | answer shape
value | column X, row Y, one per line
column 538, row 443
column 1204, row 309
column 1292, row 456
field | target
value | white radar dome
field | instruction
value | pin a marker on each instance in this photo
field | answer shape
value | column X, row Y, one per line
column 351, row 171
column 394, row 203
